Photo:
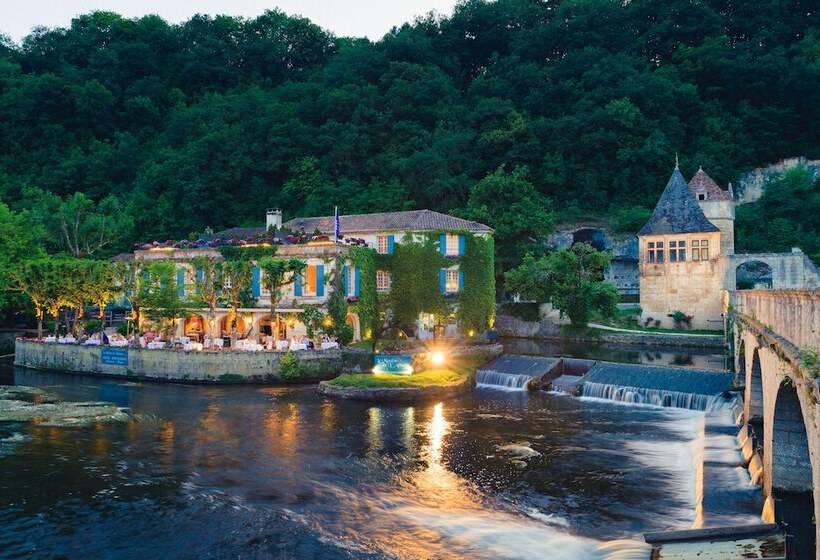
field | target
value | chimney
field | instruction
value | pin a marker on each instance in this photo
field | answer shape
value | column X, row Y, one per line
column 273, row 219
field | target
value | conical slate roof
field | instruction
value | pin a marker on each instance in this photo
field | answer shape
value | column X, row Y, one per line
column 677, row 211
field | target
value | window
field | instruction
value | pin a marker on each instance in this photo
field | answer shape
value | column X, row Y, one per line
column 701, row 196
column 677, row 251
column 451, row 281
column 704, row 249
column 382, row 281
column 451, row 249
column 695, row 250
column 381, row 244
column 226, row 283
column 650, row 254
column 310, row 280
column 351, row 281
column 659, row 252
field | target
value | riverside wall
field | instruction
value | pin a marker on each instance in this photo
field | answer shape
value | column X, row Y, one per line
column 188, row 367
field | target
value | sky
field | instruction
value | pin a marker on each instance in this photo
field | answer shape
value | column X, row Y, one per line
column 371, row 18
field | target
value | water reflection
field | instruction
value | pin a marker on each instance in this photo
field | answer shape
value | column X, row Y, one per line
column 286, row 473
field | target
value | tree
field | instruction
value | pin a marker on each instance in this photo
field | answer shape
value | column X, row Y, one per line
column 20, row 242
column 160, row 297
column 236, row 276
column 276, row 274
column 570, row 279
column 42, row 281
column 77, row 224
column 102, row 286
column 128, row 276
column 520, row 215
column 208, row 282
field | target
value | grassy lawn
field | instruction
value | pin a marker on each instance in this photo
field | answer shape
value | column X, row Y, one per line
column 455, row 372
column 426, row 378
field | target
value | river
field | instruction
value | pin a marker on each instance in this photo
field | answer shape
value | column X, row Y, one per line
column 262, row 472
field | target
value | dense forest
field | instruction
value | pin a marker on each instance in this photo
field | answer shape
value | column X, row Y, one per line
column 575, row 107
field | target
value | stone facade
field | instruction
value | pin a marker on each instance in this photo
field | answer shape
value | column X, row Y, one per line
column 189, row 367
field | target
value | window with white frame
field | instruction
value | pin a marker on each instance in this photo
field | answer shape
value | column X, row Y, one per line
column 382, row 281
column 382, row 245
column 451, row 247
column 677, row 250
column 654, row 252
column 226, row 283
column 451, row 281
column 700, row 250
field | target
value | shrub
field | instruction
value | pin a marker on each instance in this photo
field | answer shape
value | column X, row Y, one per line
column 123, row 329
column 93, row 325
column 344, row 333
column 290, row 367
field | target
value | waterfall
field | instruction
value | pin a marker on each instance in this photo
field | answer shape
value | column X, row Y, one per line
column 500, row 380
column 657, row 397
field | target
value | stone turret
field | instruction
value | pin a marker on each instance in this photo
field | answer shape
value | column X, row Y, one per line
column 718, row 207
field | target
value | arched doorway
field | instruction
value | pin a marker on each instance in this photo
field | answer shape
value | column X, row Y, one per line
column 591, row 236
column 242, row 326
column 195, row 327
column 792, row 474
column 753, row 275
column 276, row 328
column 352, row 319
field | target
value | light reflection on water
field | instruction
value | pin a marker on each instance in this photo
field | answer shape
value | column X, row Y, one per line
column 284, row 473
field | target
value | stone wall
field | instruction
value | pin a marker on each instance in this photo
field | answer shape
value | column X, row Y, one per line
column 792, row 314
column 180, row 366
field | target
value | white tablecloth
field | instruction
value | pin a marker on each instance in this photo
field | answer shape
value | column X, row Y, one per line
column 67, row 340
column 119, row 343
column 328, row 345
column 298, row 346
column 156, row 345
column 92, row 342
column 196, row 346
column 50, row 339
column 282, row 345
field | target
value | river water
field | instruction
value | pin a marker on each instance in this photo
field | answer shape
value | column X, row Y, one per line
column 260, row 472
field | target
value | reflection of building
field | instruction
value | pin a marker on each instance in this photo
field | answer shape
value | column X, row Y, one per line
column 311, row 240
column 686, row 255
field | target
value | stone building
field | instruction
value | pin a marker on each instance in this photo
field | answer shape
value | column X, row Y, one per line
column 686, row 256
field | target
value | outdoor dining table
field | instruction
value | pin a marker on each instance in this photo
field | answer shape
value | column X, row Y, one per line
column 156, row 345
column 329, row 344
column 197, row 346
column 282, row 345
column 67, row 340
column 298, row 346
column 118, row 343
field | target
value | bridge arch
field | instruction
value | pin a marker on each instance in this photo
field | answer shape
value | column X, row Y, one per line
column 754, row 389
column 754, row 274
column 791, row 478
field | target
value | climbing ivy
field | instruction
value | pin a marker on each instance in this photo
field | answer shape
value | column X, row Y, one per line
column 367, row 306
column 414, row 267
column 476, row 302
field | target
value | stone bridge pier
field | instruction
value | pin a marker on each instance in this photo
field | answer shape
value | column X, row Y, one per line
column 774, row 333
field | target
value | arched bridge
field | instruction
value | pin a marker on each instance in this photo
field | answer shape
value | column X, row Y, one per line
column 776, row 342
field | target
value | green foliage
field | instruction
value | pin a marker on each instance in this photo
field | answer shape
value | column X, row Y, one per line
column 93, row 326
column 242, row 253
column 367, row 306
column 202, row 123
column 290, row 367
column 313, row 318
column 159, row 297
column 524, row 310
column 785, row 216
column 570, row 279
column 20, row 242
column 630, row 219
column 414, row 267
column 511, row 205
column 476, row 301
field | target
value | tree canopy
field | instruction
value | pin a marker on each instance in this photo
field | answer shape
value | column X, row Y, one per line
column 171, row 128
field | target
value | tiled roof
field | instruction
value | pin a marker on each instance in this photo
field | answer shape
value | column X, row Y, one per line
column 411, row 220
column 701, row 183
column 677, row 211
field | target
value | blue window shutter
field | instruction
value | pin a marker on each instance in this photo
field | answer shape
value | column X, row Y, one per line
column 181, row 282
column 345, row 279
column 256, row 277
column 297, row 285
column 461, row 245
column 357, row 281
column 442, row 280
column 391, row 240
column 320, row 280
column 460, row 281
column 442, row 244
column 200, row 278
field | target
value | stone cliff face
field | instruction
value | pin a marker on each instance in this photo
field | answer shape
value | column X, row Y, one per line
column 751, row 185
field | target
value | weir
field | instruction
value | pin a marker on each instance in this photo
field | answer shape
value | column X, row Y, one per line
column 514, row 373
column 660, row 386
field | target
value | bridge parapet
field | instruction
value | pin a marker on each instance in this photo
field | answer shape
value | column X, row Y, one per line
column 792, row 314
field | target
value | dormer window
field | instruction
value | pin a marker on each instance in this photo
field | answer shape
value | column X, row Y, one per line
column 702, row 195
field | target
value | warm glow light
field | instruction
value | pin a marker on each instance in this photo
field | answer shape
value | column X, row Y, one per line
column 328, row 321
column 437, row 358
column 471, row 333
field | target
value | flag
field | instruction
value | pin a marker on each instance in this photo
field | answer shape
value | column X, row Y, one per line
column 337, row 229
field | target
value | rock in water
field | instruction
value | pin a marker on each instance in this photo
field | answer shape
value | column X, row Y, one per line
column 27, row 404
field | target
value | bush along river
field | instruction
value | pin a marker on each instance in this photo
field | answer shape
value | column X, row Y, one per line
column 258, row 472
